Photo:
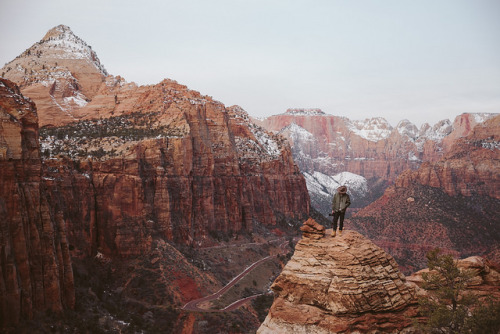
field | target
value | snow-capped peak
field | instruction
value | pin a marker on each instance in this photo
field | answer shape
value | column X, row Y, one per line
column 407, row 128
column 482, row 117
column 326, row 185
column 297, row 132
column 304, row 112
column 372, row 129
column 440, row 130
column 70, row 46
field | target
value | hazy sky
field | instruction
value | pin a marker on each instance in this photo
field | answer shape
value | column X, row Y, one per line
column 423, row 60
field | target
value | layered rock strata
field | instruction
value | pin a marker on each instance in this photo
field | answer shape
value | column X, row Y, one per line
column 179, row 167
column 326, row 146
column 340, row 285
column 371, row 148
column 60, row 73
column 472, row 166
column 311, row 229
column 35, row 265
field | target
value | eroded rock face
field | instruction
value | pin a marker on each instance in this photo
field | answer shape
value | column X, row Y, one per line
column 340, row 285
column 178, row 170
column 35, row 265
column 326, row 146
column 311, row 229
column 471, row 166
column 452, row 204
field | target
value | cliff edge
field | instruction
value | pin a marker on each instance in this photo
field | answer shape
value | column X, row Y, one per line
column 340, row 285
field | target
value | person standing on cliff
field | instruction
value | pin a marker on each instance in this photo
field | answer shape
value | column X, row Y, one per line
column 341, row 201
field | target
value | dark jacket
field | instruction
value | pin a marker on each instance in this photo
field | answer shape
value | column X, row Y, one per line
column 340, row 202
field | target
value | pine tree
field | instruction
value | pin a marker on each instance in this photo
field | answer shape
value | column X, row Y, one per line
column 447, row 307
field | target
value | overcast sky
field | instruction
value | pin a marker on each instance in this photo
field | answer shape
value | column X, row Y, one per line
column 422, row 60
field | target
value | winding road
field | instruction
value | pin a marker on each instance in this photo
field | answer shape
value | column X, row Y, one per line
column 193, row 305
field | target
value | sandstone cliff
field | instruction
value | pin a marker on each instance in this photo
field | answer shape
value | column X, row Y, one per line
column 452, row 204
column 134, row 172
column 35, row 265
column 340, row 285
column 177, row 170
column 470, row 167
column 325, row 145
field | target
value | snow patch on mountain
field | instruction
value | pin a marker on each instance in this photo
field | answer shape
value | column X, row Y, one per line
column 483, row 117
column 372, row 129
column 70, row 46
column 407, row 128
column 325, row 185
column 297, row 133
column 266, row 146
column 304, row 112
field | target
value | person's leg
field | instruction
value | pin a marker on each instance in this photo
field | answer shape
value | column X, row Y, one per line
column 336, row 216
column 341, row 225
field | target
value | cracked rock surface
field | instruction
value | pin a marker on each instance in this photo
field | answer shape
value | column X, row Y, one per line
column 340, row 284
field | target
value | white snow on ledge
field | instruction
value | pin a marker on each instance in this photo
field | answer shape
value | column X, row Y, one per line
column 372, row 129
column 325, row 185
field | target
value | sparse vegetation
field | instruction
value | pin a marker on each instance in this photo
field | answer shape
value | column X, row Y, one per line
column 86, row 138
column 449, row 307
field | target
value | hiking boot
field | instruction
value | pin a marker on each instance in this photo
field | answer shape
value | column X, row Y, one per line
column 334, row 233
column 340, row 233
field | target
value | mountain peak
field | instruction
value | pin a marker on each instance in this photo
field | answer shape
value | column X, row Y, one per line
column 304, row 111
column 57, row 31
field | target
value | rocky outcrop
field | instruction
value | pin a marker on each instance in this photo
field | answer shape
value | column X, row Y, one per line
column 452, row 204
column 340, row 285
column 35, row 265
column 311, row 229
column 485, row 275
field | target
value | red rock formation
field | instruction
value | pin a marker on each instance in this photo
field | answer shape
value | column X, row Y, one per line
column 470, row 167
column 340, row 285
column 35, row 266
column 371, row 148
column 452, row 204
column 311, row 229
column 196, row 167
column 330, row 146
column 60, row 73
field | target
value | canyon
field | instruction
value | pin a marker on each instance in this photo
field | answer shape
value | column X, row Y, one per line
column 452, row 204
column 122, row 203
column 138, row 180
column 366, row 155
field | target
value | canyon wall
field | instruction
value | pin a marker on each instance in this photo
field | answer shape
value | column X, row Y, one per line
column 177, row 171
column 35, row 265
column 452, row 204
column 366, row 155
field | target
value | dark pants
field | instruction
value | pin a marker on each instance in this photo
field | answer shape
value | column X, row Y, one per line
column 336, row 216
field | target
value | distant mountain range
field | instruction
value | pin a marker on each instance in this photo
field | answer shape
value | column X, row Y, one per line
column 326, row 146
